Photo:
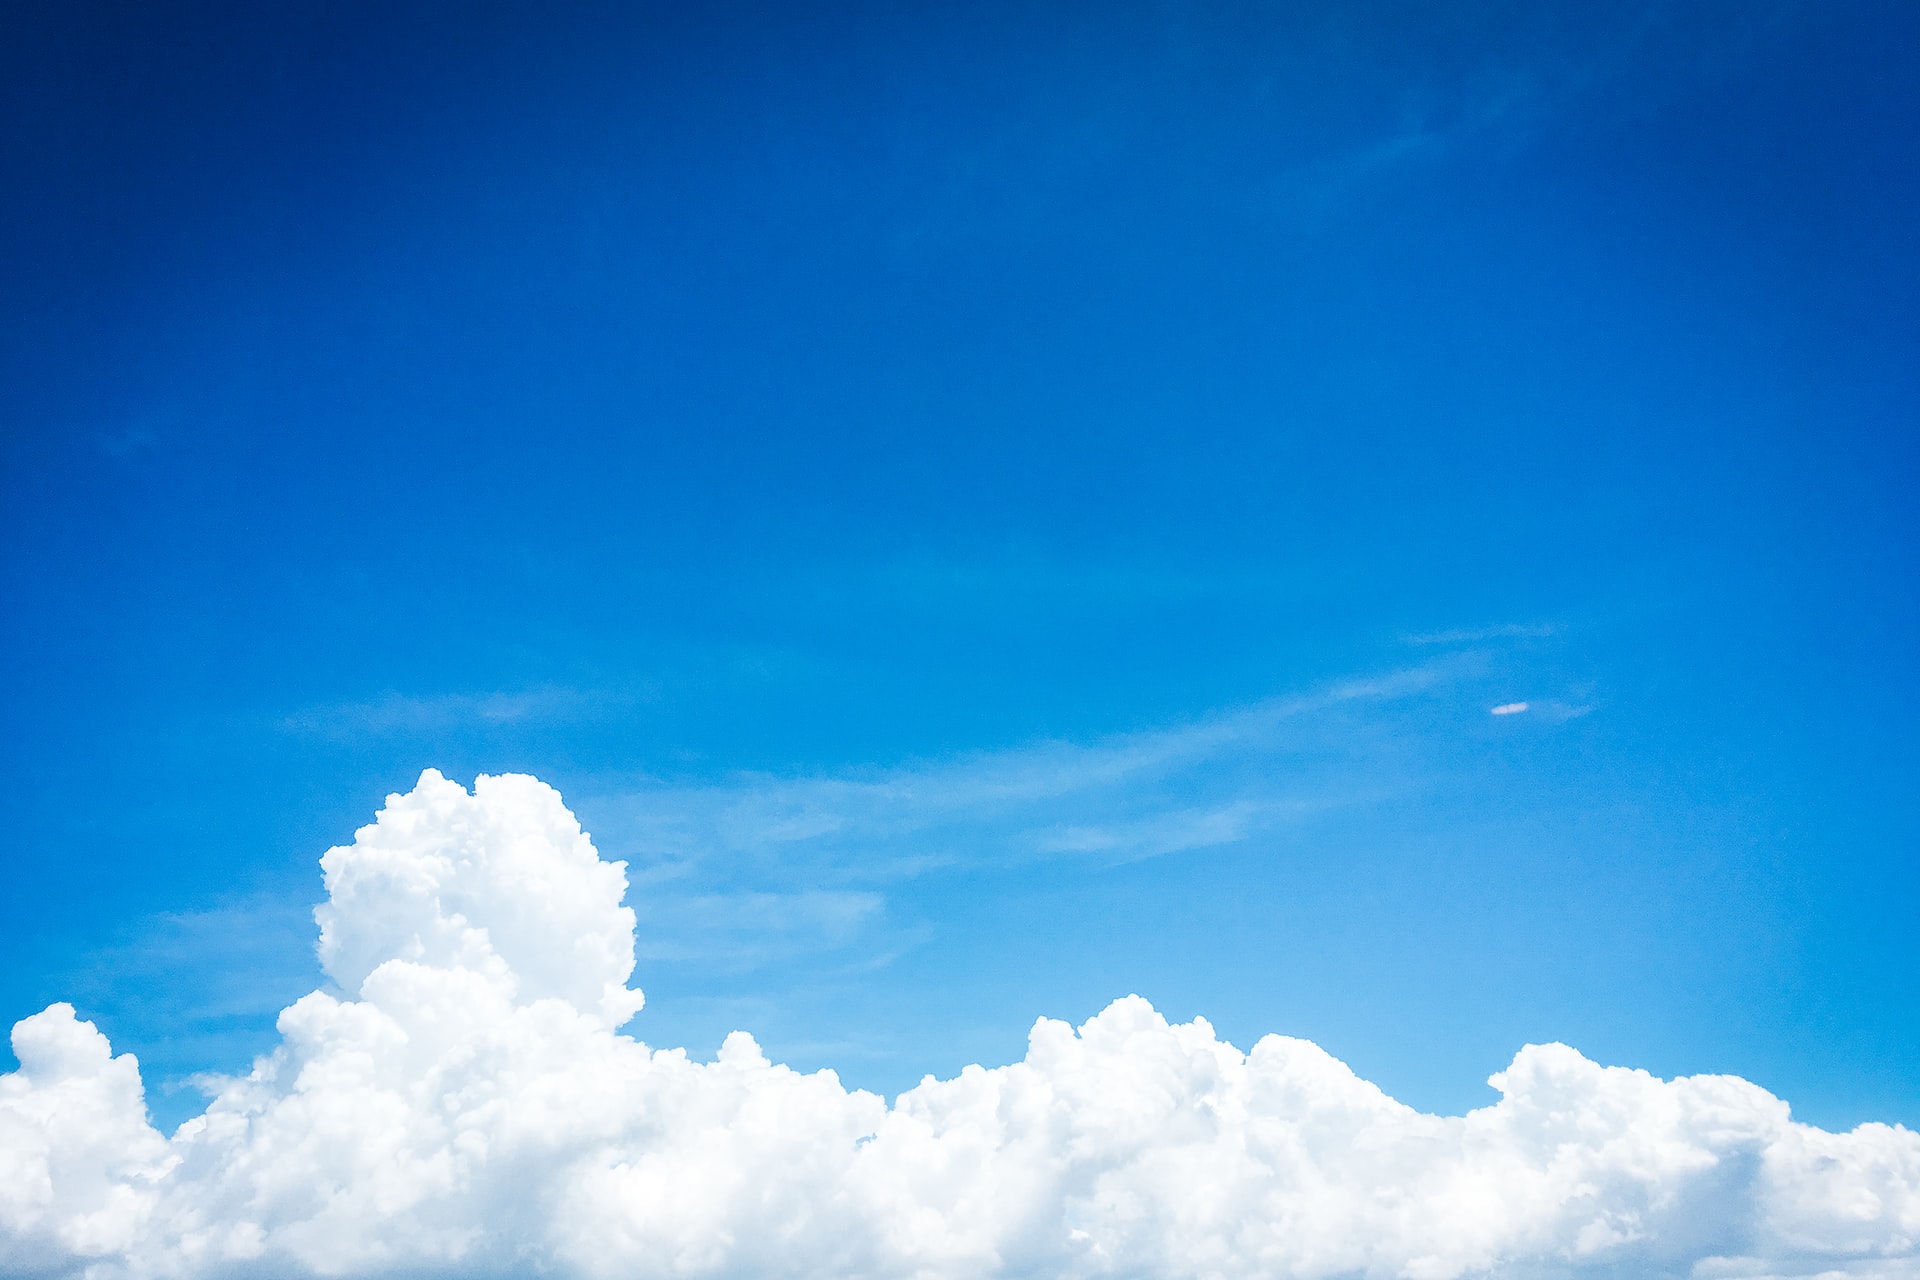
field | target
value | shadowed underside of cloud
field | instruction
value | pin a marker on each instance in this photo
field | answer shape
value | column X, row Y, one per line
column 472, row 1109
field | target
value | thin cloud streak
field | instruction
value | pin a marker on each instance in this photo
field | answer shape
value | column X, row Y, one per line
column 751, row 846
column 750, row 814
column 397, row 713
column 753, row 927
column 1481, row 635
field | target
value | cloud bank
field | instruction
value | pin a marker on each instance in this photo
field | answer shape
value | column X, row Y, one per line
column 470, row 1108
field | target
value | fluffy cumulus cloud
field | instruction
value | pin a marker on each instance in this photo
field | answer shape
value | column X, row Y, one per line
column 471, row 1109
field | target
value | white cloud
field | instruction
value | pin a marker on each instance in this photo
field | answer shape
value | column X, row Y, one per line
column 1235, row 777
column 753, row 927
column 469, row 1108
column 1126, row 781
column 1172, row 832
column 1510, row 708
column 394, row 713
column 1479, row 635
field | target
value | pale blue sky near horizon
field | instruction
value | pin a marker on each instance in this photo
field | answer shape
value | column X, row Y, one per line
column 987, row 509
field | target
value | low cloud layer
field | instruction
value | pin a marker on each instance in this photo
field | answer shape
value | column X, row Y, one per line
column 469, row 1107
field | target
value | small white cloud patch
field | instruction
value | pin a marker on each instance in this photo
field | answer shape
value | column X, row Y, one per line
column 1510, row 708
column 473, row 1110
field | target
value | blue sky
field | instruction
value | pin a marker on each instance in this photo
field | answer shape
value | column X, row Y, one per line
column 987, row 509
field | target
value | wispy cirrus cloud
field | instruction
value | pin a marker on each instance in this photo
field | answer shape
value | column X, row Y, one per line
column 398, row 713
column 1265, row 776
column 1552, row 710
column 1175, row 831
column 751, row 928
column 1503, row 97
column 1213, row 780
column 133, row 441
column 751, row 866
column 213, row 977
column 1483, row 635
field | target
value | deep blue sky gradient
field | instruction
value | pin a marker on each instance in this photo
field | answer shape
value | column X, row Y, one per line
column 661, row 399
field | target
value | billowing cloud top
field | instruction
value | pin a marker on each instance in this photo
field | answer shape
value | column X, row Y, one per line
column 473, row 1110
column 502, row 882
